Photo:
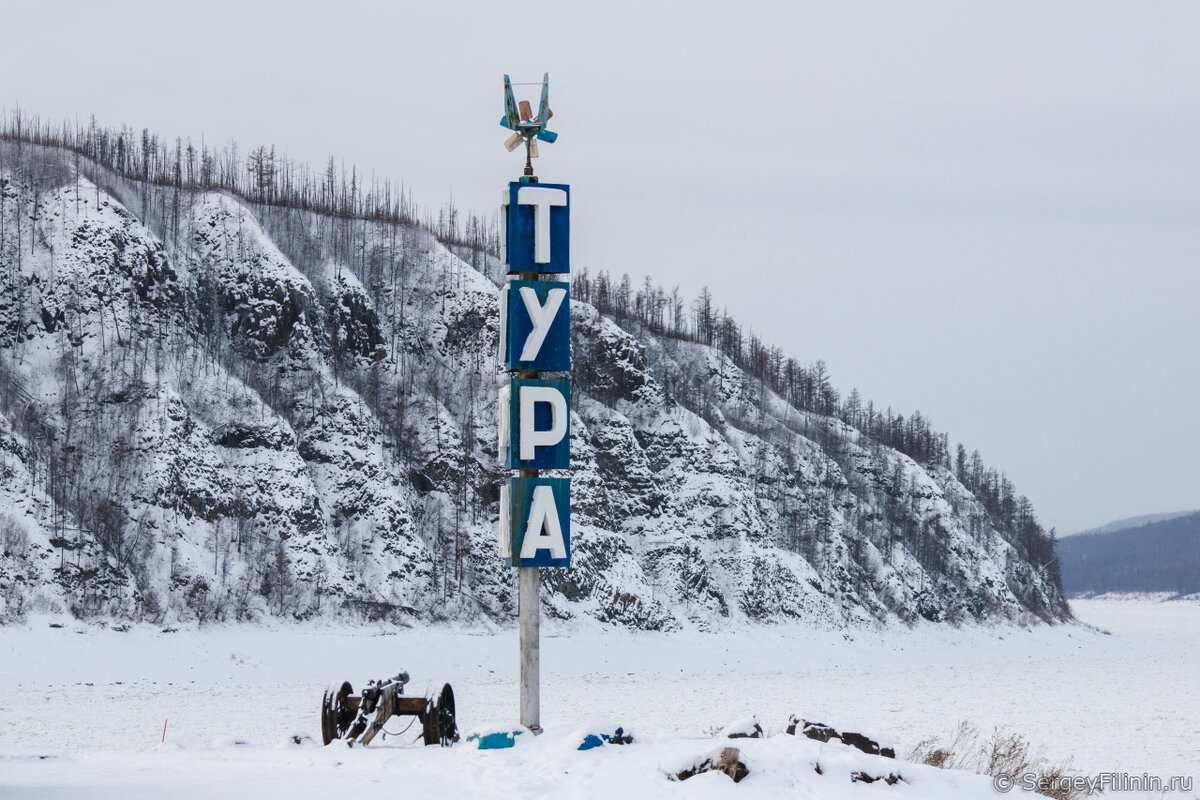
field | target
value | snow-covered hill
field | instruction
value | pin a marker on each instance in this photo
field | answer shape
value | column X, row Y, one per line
column 215, row 409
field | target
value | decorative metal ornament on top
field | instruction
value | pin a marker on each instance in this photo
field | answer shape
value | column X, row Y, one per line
column 518, row 118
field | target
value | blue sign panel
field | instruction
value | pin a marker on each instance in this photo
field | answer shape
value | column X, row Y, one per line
column 535, row 326
column 535, row 522
column 536, row 220
column 535, row 424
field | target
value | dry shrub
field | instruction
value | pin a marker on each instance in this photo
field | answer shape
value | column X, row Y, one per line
column 1000, row 753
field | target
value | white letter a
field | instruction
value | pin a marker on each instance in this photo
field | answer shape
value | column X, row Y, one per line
column 543, row 531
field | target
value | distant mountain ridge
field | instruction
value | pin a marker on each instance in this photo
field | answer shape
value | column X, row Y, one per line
column 1154, row 557
column 1134, row 522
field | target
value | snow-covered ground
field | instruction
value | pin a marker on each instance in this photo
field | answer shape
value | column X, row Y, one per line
column 82, row 709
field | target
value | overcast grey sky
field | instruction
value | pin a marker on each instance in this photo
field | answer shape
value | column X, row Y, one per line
column 987, row 212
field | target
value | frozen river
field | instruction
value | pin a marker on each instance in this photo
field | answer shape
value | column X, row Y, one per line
column 1120, row 693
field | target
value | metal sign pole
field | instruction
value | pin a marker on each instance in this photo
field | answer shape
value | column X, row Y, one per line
column 535, row 408
column 529, row 609
column 530, row 614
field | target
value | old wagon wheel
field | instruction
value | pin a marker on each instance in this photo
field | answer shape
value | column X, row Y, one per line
column 439, row 723
column 447, row 722
column 336, row 714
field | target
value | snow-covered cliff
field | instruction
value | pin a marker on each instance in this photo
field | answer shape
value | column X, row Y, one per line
column 216, row 410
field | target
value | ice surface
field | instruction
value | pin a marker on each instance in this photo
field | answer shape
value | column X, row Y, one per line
column 1117, row 701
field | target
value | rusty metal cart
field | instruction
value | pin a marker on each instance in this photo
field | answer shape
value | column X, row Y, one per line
column 345, row 715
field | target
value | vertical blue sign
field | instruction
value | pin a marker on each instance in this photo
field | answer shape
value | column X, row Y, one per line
column 535, row 522
column 535, row 337
column 535, row 326
column 536, row 218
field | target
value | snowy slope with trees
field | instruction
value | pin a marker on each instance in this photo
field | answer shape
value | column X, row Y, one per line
column 234, row 390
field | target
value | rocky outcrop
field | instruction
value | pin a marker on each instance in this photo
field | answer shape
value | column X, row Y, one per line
column 871, row 744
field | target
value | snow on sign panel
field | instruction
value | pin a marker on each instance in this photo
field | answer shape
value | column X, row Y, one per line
column 535, row 522
column 535, row 326
column 535, row 424
column 536, row 218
